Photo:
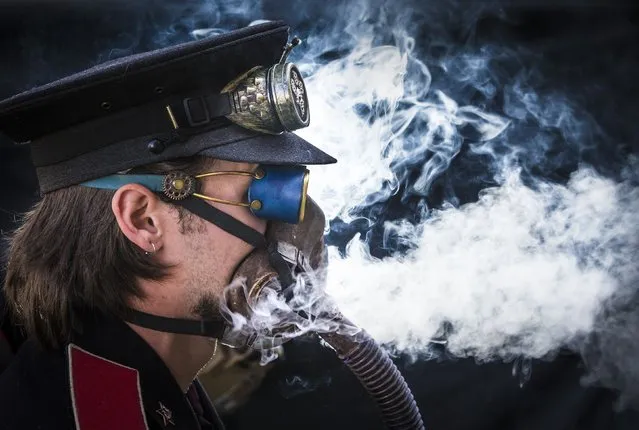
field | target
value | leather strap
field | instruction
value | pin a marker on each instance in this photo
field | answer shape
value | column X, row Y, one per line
column 223, row 220
column 213, row 328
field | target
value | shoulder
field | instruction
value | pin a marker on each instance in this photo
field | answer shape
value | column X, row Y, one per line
column 34, row 390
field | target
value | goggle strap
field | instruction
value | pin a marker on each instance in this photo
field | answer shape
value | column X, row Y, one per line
column 199, row 110
column 223, row 220
column 213, row 328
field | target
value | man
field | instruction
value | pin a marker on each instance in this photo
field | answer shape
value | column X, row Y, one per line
column 145, row 164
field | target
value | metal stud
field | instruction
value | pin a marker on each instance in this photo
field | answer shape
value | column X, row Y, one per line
column 258, row 174
column 256, row 205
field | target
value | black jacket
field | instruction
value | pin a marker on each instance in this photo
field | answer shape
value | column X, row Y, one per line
column 105, row 378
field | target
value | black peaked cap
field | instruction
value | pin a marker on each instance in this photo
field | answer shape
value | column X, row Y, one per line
column 113, row 116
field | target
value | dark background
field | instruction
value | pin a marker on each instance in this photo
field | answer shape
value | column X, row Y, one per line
column 587, row 50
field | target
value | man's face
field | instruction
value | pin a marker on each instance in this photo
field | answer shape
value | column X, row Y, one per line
column 209, row 255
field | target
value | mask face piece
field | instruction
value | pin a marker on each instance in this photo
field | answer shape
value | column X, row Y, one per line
column 294, row 250
column 278, row 193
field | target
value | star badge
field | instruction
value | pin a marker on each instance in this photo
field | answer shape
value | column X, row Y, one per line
column 166, row 414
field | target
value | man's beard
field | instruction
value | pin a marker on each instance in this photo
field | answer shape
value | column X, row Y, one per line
column 207, row 306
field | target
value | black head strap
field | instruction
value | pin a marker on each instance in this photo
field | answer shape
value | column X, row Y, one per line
column 223, row 220
column 210, row 327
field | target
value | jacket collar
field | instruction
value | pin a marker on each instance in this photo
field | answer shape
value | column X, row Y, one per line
column 109, row 357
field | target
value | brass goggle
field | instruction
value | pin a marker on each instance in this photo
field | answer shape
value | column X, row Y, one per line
column 269, row 100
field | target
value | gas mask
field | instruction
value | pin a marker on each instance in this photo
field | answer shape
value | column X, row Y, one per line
column 293, row 258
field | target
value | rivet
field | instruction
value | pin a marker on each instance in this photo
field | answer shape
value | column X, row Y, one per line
column 159, row 90
column 178, row 184
column 105, row 105
column 258, row 174
column 155, row 146
column 256, row 205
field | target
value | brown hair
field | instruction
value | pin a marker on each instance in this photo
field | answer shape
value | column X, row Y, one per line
column 69, row 257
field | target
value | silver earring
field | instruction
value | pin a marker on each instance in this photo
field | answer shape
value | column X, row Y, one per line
column 154, row 250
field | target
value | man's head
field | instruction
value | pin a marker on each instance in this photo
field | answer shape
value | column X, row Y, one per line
column 202, row 257
column 83, row 250
column 222, row 104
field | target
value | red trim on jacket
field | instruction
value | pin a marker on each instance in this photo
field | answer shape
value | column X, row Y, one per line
column 105, row 395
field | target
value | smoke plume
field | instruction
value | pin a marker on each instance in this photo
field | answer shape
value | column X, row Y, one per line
column 471, row 204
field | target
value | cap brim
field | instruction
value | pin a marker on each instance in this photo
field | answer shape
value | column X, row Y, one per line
column 281, row 149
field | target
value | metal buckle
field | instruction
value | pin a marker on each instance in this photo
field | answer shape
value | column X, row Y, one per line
column 193, row 122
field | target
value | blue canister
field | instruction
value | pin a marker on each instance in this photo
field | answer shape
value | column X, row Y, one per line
column 278, row 193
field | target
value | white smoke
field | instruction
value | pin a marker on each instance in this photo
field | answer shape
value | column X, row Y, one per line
column 530, row 267
column 372, row 149
column 520, row 272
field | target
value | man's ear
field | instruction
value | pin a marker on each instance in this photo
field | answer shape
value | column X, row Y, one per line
column 138, row 212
